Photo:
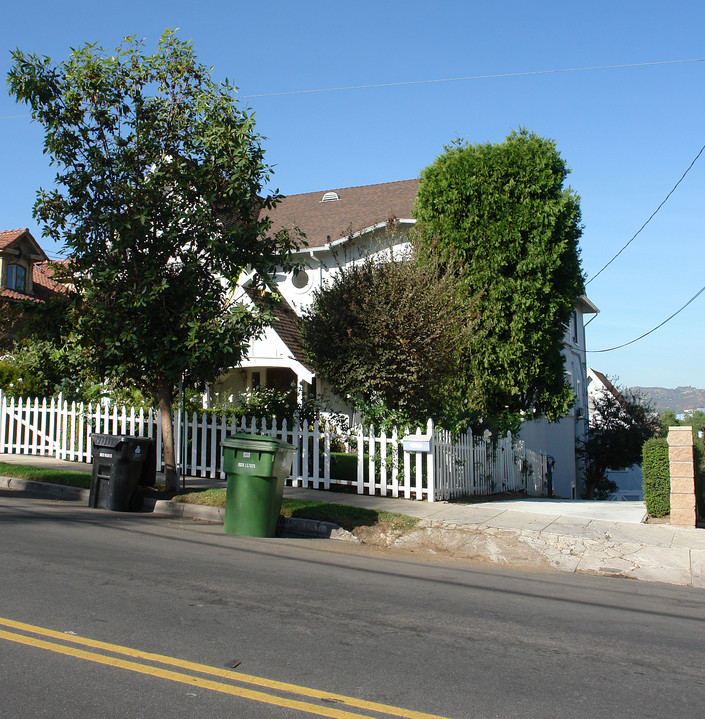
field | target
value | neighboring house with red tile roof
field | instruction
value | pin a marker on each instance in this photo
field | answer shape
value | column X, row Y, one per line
column 26, row 277
column 19, row 253
column 26, row 274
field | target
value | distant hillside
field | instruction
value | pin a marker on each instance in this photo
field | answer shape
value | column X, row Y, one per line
column 677, row 400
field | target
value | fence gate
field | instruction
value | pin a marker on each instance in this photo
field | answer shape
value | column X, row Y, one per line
column 468, row 465
column 26, row 426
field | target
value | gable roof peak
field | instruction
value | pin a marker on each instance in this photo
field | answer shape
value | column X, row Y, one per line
column 9, row 237
column 325, row 216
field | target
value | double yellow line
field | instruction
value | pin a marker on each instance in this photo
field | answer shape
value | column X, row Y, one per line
column 202, row 682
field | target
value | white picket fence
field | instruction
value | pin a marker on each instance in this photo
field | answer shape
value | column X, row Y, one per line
column 467, row 465
column 372, row 462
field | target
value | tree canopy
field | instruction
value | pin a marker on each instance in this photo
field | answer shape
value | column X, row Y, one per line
column 502, row 214
column 619, row 425
column 385, row 334
column 158, row 200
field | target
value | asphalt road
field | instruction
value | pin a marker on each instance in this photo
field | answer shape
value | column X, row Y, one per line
column 106, row 614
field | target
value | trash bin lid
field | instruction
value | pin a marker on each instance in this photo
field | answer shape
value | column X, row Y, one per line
column 113, row 440
column 255, row 443
column 107, row 440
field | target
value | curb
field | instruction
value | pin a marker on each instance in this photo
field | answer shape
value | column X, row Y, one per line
column 291, row 527
column 672, row 555
column 45, row 490
column 182, row 509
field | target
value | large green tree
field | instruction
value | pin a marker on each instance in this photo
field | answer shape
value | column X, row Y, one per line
column 503, row 214
column 158, row 200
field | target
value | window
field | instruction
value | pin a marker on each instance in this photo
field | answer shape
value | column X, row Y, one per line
column 16, row 276
column 300, row 279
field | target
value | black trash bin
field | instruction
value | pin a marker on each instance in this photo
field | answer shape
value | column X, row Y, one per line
column 121, row 465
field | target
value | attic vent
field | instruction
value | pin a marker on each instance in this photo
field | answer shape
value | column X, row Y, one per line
column 330, row 197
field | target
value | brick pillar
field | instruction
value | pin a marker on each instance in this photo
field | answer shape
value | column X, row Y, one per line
column 680, row 457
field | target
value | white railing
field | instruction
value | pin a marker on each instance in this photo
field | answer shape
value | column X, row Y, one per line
column 371, row 462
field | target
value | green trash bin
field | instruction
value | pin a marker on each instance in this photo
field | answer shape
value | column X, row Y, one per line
column 256, row 468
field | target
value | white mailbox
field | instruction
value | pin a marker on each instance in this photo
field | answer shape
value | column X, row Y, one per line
column 418, row 443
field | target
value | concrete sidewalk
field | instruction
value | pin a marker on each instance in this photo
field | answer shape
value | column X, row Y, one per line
column 606, row 538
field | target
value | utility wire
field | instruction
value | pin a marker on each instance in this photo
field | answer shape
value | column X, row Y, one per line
column 451, row 79
column 692, row 299
column 475, row 77
column 653, row 214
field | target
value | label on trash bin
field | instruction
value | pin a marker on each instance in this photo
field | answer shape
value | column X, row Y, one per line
column 246, row 454
column 105, row 454
column 247, row 465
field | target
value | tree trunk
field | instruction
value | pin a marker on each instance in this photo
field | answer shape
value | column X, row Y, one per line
column 171, row 479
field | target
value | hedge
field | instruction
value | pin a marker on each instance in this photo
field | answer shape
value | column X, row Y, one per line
column 656, row 477
column 699, row 452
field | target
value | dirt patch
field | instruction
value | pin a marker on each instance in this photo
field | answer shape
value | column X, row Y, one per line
column 378, row 535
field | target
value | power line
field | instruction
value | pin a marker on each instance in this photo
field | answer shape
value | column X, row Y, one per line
column 451, row 79
column 474, row 77
column 651, row 217
column 692, row 299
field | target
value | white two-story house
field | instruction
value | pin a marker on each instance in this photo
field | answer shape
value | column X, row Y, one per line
column 340, row 226
column 343, row 226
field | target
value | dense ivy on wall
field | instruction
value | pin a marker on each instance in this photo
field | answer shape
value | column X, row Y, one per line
column 504, row 216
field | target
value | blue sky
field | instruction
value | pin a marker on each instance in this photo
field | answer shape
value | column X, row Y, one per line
column 628, row 134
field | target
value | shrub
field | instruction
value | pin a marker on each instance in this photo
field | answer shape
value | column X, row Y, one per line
column 699, row 457
column 656, row 477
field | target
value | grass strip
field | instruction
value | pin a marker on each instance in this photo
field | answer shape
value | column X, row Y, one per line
column 345, row 516
column 46, row 474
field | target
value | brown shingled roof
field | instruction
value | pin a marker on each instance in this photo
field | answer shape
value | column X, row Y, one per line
column 286, row 325
column 358, row 208
column 607, row 384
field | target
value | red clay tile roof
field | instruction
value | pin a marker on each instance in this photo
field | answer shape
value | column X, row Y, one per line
column 358, row 208
column 19, row 296
column 7, row 237
column 44, row 283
